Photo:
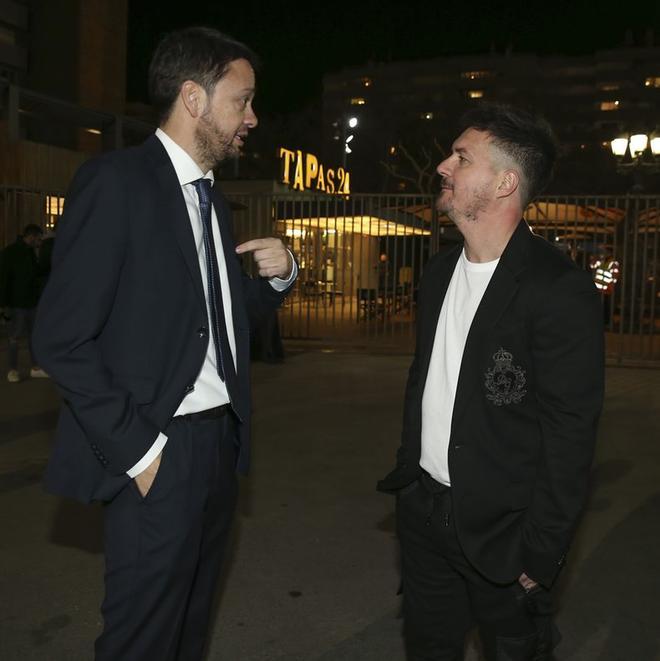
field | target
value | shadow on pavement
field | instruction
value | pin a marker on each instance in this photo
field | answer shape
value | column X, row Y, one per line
column 612, row 612
column 20, row 426
column 78, row 526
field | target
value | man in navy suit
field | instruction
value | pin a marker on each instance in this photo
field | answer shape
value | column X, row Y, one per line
column 501, row 407
column 144, row 325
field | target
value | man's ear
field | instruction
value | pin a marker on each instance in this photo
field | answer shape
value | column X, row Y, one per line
column 193, row 98
column 509, row 182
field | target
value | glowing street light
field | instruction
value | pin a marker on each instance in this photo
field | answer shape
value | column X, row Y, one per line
column 619, row 146
column 643, row 150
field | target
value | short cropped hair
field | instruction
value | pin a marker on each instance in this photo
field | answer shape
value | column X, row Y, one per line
column 525, row 138
column 200, row 54
column 32, row 230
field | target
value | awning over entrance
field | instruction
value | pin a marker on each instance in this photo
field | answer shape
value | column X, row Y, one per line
column 365, row 225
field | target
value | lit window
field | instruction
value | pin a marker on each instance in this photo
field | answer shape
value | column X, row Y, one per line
column 358, row 101
column 426, row 115
column 475, row 75
column 54, row 207
column 475, row 94
column 392, row 150
column 652, row 82
column 367, row 82
column 609, row 105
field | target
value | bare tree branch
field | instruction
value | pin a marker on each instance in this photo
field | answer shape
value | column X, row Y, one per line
column 439, row 147
column 392, row 170
column 422, row 171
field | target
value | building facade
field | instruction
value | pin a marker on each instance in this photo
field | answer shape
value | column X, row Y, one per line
column 62, row 99
column 407, row 111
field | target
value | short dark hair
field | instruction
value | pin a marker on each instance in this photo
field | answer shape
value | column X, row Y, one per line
column 524, row 137
column 32, row 230
column 200, row 54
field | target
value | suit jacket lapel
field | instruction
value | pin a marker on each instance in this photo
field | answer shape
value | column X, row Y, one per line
column 501, row 289
column 176, row 212
column 234, row 273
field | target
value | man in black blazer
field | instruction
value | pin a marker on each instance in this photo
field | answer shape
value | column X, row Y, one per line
column 144, row 325
column 501, row 407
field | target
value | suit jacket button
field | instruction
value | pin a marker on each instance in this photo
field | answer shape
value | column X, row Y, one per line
column 457, row 447
column 202, row 331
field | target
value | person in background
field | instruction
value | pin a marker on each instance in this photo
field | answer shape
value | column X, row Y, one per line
column 20, row 280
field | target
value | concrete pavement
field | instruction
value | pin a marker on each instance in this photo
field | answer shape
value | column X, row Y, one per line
column 314, row 568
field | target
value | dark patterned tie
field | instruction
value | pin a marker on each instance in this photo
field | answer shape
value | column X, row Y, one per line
column 219, row 329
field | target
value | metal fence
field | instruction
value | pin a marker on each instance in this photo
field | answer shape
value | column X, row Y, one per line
column 361, row 260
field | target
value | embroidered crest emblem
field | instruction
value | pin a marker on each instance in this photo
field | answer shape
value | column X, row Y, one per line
column 505, row 382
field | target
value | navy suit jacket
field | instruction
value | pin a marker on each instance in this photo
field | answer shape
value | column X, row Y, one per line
column 122, row 325
column 528, row 398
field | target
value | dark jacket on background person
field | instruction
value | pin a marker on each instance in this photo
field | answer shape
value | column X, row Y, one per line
column 45, row 259
column 19, row 276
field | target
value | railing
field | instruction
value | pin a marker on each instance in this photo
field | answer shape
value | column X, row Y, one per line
column 360, row 262
column 361, row 258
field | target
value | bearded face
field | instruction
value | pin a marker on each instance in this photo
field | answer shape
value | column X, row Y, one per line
column 468, row 178
column 227, row 117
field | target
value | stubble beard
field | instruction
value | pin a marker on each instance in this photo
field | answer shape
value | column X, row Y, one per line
column 479, row 201
column 213, row 145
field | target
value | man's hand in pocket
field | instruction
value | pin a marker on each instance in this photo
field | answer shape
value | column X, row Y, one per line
column 146, row 478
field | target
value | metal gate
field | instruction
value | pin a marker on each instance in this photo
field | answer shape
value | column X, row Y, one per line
column 360, row 262
column 361, row 259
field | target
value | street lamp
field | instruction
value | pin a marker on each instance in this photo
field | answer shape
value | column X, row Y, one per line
column 644, row 155
column 644, row 151
column 346, row 137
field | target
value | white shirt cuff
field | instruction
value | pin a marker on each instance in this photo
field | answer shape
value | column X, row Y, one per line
column 152, row 453
column 280, row 284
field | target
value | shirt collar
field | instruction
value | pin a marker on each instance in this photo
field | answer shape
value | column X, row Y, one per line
column 184, row 165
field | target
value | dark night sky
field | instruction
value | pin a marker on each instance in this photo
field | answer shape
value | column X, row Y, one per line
column 299, row 42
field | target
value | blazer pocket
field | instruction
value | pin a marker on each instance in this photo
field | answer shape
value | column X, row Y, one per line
column 142, row 388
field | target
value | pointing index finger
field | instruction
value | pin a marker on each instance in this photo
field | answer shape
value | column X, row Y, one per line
column 254, row 244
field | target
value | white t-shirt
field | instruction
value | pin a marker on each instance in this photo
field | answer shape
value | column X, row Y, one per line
column 466, row 289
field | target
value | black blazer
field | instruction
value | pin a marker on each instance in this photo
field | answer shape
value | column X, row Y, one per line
column 122, row 325
column 529, row 395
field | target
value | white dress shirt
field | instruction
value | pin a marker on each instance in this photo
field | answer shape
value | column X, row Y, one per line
column 209, row 390
column 466, row 289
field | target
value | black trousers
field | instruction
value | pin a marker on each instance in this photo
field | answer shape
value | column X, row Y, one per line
column 444, row 596
column 163, row 552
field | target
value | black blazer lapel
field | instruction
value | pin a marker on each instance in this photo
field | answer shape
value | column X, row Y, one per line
column 176, row 212
column 500, row 291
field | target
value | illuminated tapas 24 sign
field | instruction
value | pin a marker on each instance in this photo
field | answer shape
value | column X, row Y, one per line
column 303, row 171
